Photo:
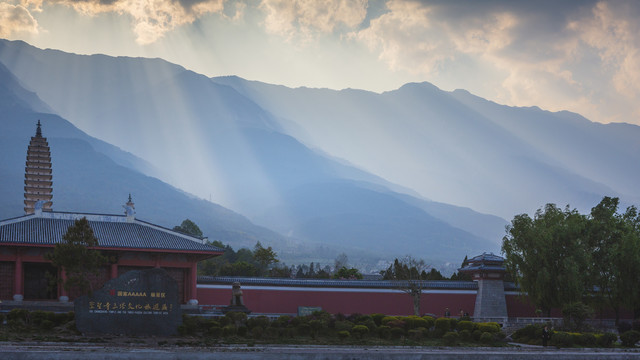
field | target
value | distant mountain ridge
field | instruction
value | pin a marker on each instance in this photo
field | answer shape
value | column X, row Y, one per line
column 461, row 149
column 87, row 176
column 340, row 169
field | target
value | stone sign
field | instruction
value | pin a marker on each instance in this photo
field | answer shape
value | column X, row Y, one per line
column 139, row 302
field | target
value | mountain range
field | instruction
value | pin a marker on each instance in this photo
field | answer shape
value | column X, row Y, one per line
column 313, row 172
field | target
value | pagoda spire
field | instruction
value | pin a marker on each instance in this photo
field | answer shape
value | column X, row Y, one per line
column 38, row 184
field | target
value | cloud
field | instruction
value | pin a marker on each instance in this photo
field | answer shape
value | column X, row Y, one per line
column 152, row 19
column 304, row 18
column 527, row 54
column 615, row 33
column 16, row 19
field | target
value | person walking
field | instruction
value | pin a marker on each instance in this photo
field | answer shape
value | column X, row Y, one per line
column 545, row 336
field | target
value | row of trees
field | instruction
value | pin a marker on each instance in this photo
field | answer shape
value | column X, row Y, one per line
column 564, row 259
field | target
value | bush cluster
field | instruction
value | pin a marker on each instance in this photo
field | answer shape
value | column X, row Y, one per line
column 532, row 334
column 22, row 320
column 355, row 327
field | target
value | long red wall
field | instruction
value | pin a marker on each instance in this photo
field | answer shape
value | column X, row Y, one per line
column 285, row 300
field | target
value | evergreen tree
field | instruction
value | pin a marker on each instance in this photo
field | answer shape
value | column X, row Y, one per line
column 189, row 227
column 77, row 257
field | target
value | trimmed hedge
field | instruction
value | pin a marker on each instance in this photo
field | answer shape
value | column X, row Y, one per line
column 443, row 324
column 630, row 338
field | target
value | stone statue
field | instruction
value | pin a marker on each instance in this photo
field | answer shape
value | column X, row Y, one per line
column 236, row 295
column 237, row 302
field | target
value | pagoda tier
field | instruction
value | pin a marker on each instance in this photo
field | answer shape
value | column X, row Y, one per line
column 37, row 174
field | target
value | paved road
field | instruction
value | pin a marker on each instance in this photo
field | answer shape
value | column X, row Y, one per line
column 22, row 351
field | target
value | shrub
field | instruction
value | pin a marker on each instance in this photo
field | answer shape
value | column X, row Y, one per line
column 413, row 322
column 465, row 335
column 500, row 335
column 489, row 327
column 397, row 324
column 630, row 338
column 316, row 326
column 635, row 325
column 261, row 321
column 257, row 332
column 430, row 322
column 18, row 314
column 384, row 332
column 397, row 333
column 465, row 325
column 271, row 332
column 576, row 338
column 238, row 318
column 288, row 332
column 369, row 323
column 242, row 330
column 386, row 319
column 304, row 329
column 527, row 332
column 190, row 324
column 607, row 339
column 361, row 319
column 486, row 338
column 575, row 314
column 229, row 330
column 343, row 325
column 450, row 338
column 360, row 331
column 377, row 318
column 588, row 340
column 418, row 333
column 47, row 324
column 561, row 339
column 344, row 334
column 443, row 324
column 453, row 323
column 477, row 334
column 38, row 316
column 215, row 331
column 281, row 321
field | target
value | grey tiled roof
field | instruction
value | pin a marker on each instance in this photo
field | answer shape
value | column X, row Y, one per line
column 428, row 284
column 112, row 231
column 482, row 267
column 486, row 257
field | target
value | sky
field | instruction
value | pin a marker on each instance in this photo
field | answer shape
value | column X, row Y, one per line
column 579, row 55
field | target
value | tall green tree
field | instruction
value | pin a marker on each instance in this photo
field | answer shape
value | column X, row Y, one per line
column 189, row 227
column 614, row 242
column 77, row 257
column 547, row 257
column 264, row 257
column 409, row 274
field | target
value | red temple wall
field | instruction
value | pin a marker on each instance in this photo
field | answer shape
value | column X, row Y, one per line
column 285, row 300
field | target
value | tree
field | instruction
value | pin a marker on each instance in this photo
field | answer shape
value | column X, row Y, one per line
column 264, row 257
column 409, row 275
column 462, row 276
column 344, row 273
column 614, row 241
column 189, row 227
column 77, row 257
column 547, row 256
column 342, row 260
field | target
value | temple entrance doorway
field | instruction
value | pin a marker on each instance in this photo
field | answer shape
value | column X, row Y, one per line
column 37, row 277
